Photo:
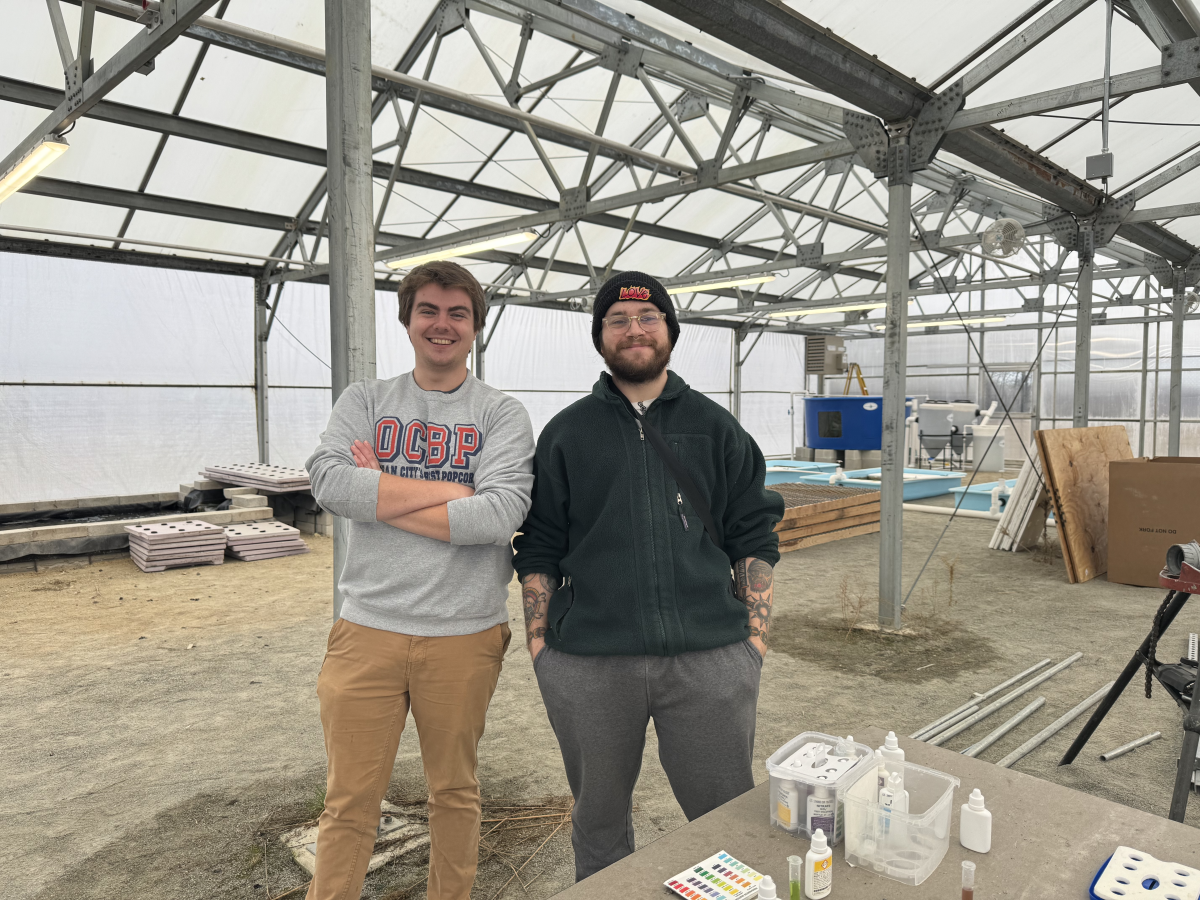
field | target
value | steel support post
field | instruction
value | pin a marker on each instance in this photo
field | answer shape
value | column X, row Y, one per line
column 262, row 416
column 1083, row 341
column 895, row 366
column 1176, row 401
column 480, row 349
column 735, row 395
column 351, row 238
column 1145, row 376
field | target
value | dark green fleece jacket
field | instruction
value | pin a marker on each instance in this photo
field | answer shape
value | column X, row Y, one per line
column 641, row 576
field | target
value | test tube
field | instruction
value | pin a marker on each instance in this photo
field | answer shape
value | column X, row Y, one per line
column 795, row 877
column 968, row 880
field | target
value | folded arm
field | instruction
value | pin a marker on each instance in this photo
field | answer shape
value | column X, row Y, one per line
column 410, row 504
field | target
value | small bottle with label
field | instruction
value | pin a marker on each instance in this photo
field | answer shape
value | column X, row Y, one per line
column 821, row 808
column 766, row 888
column 818, row 868
column 975, row 824
column 787, row 805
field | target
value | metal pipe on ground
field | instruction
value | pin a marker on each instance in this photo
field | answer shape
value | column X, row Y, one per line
column 1003, row 701
column 921, row 733
column 949, row 723
column 977, row 748
column 1132, row 745
column 951, row 511
column 1054, row 727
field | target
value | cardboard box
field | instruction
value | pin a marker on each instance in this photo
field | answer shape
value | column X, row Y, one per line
column 1152, row 504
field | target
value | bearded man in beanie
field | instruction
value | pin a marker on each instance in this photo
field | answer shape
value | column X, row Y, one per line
column 647, row 495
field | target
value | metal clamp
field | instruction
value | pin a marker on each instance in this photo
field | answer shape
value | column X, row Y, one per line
column 573, row 202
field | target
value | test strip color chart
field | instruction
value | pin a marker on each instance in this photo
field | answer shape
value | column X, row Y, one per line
column 720, row 877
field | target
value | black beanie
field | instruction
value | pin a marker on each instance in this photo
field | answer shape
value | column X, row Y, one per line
column 632, row 286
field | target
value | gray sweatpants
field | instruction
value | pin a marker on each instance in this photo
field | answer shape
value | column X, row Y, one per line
column 703, row 705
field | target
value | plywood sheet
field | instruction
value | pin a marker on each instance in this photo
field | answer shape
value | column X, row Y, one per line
column 1075, row 465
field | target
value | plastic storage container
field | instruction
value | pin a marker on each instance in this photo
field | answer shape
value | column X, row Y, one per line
column 904, row 846
column 795, row 781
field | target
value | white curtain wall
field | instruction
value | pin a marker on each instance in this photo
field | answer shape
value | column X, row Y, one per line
column 121, row 379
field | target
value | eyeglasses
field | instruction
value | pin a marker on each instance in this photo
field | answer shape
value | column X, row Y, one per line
column 648, row 321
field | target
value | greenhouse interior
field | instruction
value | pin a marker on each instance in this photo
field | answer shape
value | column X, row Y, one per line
column 880, row 319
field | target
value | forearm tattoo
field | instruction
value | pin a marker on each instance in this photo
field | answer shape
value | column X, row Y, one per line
column 535, row 598
column 755, row 580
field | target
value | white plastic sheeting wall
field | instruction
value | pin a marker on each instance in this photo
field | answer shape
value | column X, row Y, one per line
column 120, row 380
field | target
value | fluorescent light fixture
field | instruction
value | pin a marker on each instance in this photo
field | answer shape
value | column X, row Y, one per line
column 849, row 307
column 982, row 320
column 462, row 250
column 718, row 285
column 31, row 164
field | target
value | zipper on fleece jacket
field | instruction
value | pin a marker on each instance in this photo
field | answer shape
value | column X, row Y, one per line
column 662, row 627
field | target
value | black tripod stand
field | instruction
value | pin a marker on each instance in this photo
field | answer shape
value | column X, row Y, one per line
column 1180, row 588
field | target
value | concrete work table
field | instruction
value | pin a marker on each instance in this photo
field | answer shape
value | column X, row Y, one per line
column 1047, row 841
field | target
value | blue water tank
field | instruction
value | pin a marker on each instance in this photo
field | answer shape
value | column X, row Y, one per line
column 845, row 423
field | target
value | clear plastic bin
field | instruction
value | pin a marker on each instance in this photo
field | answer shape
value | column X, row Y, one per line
column 802, row 793
column 905, row 846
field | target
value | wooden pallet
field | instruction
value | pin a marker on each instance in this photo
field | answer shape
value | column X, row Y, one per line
column 1075, row 465
column 1024, row 518
column 816, row 514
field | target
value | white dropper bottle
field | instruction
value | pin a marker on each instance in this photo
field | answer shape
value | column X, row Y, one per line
column 818, row 868
column 891, row 751
column 975, row 824
column 766, row 888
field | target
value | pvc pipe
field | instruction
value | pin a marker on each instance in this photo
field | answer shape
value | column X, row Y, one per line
column 933, row 732
column 1132, row 745
column 979, row 698
column 1055, row 727
column 975, row 749
column 1003, row 701
column 950, row 511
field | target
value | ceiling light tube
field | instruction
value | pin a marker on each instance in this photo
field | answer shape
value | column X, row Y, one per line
column 718, row 285
column 982, row 320
column 31, row 164
column 463, row 250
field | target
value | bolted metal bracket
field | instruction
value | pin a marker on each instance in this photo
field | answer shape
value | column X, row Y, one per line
column 929, row 130
column 1099, row 318
column 899, row 163
column 1032, row 304
column 624, row 58
column 854, row 315
column 707, row 172
column 452, row 16
column 1162, row 271
column 1181, row 61
column 1191, row 271
column 689, row 106
column 1062, row 225
column 1112, row 213
column 809, row 255
column 573, row 202
column 867, row 135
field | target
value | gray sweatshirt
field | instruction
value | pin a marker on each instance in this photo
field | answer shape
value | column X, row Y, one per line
column 476, row 435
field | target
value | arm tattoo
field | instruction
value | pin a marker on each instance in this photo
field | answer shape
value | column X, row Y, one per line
column 755, row 580
column 535, row 599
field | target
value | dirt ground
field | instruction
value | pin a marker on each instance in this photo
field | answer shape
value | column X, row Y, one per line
column 161, row 729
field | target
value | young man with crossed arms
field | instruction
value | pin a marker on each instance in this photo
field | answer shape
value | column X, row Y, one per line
column 434, row 470
column 630, row 613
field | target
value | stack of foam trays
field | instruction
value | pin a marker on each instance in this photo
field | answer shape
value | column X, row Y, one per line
column 277, row 479
column 263, row 540
column 167, row 545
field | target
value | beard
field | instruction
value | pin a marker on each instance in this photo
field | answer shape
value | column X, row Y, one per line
column 632, row 371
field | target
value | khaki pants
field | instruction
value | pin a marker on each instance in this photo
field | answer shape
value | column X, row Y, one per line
column 368, row 682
